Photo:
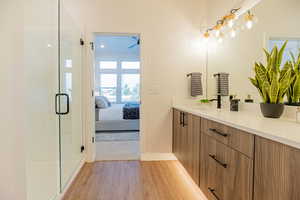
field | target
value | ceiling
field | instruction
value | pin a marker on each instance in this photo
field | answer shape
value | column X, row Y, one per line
column 115, row 45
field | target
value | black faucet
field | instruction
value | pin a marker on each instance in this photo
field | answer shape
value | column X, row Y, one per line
column 219, row 100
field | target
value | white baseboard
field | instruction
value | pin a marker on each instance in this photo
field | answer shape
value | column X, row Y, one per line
column 157, row 156
column 61, row 195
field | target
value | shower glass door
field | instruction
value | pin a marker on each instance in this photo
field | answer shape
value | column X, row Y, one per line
column 71, row 139
column 41, row 80
column 53, row 60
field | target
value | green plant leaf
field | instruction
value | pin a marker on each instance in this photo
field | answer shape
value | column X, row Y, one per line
column 261, row 73
column 290, row 91
column 274, row 90
column 272, row 82
column 284, row 85
column 296, row 90
column 293, row 58
column 268, row 56
column 254, row 82
column 297, row 65
column 204, row 101
column 280, row 55
column 266, row 91
column 274, row 59
column 288, row 66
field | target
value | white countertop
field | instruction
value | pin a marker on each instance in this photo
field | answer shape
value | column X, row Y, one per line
column 285, row 131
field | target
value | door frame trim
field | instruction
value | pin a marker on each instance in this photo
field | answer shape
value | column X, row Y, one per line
column 88, row 100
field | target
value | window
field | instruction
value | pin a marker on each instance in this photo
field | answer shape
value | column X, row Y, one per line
column 119, row 81
column 108, row 80
column 130, row 87
column 68, row 83
column 130, row 65
column 68, row 63
column 293, row 46
column 108, row 84
column 108, row 65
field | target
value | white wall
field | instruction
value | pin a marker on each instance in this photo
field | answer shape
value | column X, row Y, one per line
column 12, row 151
column 170, row 34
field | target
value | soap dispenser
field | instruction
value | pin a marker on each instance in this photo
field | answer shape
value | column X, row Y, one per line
column 234, row 103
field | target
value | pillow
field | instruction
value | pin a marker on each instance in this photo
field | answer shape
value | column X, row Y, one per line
column 102, row 102
column 107, row 101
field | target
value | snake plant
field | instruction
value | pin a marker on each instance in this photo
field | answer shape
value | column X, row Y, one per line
column 293, row 93
column 271, row 80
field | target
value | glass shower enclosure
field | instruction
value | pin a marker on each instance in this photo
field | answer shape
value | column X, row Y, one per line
column 53, row 58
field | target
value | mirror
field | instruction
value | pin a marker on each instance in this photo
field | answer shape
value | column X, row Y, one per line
column 277, row 22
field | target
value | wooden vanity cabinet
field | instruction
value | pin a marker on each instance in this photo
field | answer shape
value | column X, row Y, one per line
column 277, row 171
column 208, row 168
column 230, row 164
column 193, row 147
column 180, row 140
column 177, row 122
column 186, row 142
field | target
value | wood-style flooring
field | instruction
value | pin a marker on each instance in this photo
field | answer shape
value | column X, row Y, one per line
column 133, row 180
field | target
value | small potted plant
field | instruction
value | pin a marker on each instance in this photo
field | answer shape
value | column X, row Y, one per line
column 293, row 93
column 272, row 82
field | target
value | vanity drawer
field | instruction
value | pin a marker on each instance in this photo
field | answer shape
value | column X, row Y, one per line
column 237, row 139
column 226, row 173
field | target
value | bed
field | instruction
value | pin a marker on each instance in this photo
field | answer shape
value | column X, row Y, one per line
column 112, row 119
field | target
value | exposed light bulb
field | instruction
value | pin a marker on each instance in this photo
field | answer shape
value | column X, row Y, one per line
column 206, row 36
column 249, row 20
column 102, row 46
column 218, row 28
column 230, row 19
column 220, row 40
column 217, row 33
column 233, row 33
column 249, row 24
column 230, row 23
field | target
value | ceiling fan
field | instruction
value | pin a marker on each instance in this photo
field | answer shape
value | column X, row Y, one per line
column 137, row 42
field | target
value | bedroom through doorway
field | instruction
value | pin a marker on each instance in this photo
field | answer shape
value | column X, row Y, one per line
column 117, row 96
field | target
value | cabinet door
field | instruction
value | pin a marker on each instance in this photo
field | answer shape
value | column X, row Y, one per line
column 183, row 141
column 176, row 132
column 277, row 174
column 226, row 174
column 208, row 167
column 193, row 147
column 235, row 172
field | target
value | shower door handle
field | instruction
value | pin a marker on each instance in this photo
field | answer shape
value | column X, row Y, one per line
column 57, row 104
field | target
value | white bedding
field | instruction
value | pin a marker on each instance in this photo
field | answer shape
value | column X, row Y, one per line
column 111, row 119
column 115, row 112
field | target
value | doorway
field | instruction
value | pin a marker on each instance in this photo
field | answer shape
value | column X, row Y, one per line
column 117, row 96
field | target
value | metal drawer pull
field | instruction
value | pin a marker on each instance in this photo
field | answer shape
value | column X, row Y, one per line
column 218, row 132
column 213, row 193
column 184, row 121
column 181, row 118
column 222, row 164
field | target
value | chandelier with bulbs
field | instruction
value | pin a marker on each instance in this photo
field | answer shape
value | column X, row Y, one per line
column 228, row 26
